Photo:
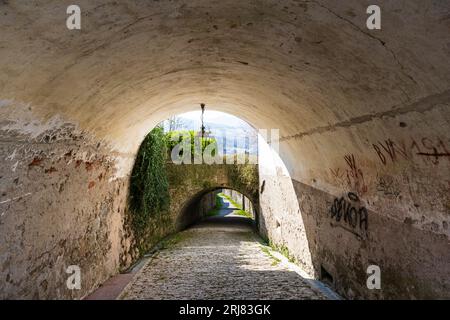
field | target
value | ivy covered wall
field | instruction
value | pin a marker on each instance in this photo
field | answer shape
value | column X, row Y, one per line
column 162, row 193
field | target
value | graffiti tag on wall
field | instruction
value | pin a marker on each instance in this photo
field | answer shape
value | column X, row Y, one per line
column 352, row 176
column 430, row 150
column 355, row 176
column 388, row 186
column 350, row 211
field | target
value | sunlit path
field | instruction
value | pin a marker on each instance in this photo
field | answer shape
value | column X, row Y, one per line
column 220, row 258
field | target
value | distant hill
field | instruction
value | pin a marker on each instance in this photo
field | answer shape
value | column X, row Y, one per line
column 236, row 131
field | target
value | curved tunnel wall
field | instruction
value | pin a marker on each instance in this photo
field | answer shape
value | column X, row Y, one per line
column 203, row 202
column 188, row 184
column 358, row 111
column 194, row 209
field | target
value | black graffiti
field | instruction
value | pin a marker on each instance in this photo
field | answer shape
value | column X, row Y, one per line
column 389, row 147
column 388, row 186
column 352, row 214
column 353, row 196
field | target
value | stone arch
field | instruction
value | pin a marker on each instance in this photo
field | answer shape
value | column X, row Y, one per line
column 359, row 111
column 190, row 212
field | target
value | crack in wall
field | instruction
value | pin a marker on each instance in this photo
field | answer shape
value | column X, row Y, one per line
column 421, row 105
column 382, row 42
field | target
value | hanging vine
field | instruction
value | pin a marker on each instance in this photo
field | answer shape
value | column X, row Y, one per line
column 149, row 187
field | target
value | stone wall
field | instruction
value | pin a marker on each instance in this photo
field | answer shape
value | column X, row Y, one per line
column 384, row 200
column 208, row 202
column 61, row 204
column 190, row 183
column 64, row 202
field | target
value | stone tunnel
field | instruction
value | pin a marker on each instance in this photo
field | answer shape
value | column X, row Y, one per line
column 362, row 176
column 189, row 183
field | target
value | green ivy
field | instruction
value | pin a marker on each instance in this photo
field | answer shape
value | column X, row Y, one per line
column 149, row 187
column 245, row 178
column 177, row 136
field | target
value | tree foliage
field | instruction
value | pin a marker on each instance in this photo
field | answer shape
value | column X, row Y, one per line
column 175, row 137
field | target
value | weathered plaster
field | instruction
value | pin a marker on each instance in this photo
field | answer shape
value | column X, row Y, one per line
column 309, row 68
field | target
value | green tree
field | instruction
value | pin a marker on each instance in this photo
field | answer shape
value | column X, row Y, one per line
column 177, row 136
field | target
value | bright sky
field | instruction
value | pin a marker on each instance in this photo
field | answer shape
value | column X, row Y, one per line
column 217, row 117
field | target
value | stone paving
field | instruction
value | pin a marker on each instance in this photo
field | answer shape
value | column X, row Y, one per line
column 220, row 258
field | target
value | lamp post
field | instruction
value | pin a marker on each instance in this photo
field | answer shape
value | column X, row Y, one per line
column 202, row 105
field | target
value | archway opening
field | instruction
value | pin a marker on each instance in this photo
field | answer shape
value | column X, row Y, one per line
column 181, row 160
column 224, row 204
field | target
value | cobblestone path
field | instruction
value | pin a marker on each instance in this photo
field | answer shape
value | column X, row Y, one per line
column 220, row 258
